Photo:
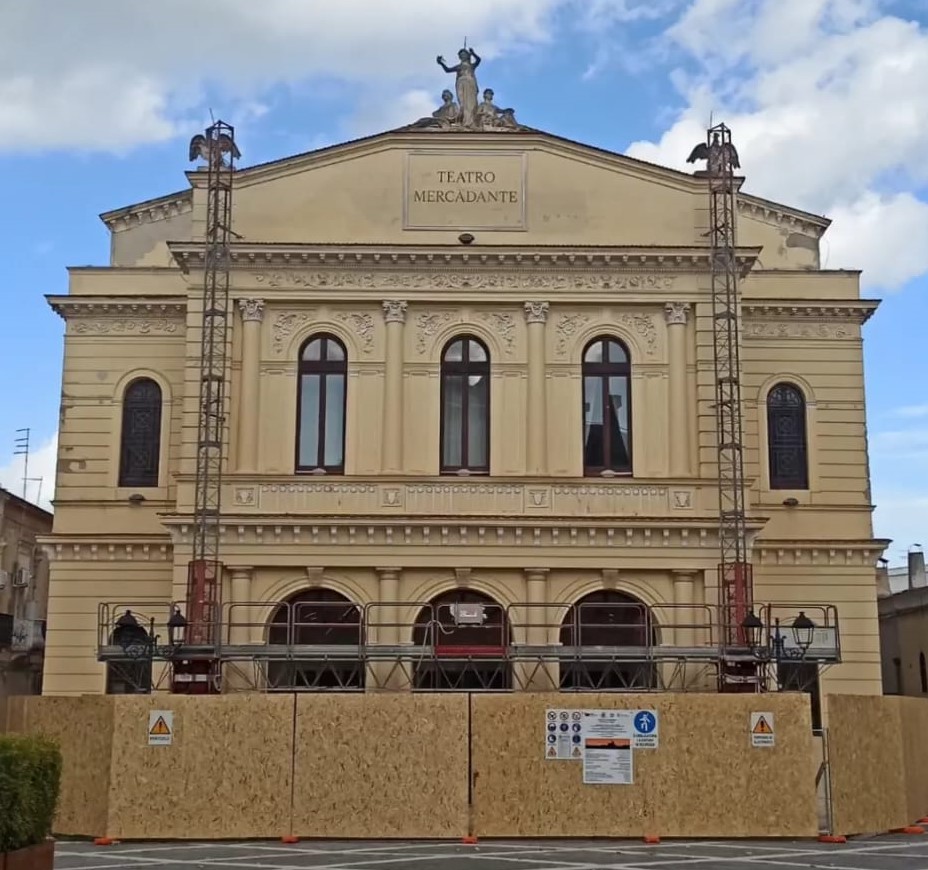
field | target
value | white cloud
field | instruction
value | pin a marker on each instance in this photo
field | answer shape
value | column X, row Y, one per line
column 900, row 516
column 111, row 76
column 40, row 488
column 829, row 114
column 912, row 411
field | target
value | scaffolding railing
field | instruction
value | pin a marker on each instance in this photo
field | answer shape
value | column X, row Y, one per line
column 597, row 646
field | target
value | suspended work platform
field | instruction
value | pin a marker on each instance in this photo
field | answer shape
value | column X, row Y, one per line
column 335, row 645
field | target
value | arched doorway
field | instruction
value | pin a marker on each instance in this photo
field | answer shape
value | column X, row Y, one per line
column 608, row 639
column 469, row 633
column 133, row 674
column 318, row 634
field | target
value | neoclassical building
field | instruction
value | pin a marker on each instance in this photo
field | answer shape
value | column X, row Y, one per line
column 470, row 412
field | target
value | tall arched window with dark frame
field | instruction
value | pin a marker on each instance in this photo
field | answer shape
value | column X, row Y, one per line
column 787, row 447
column 607, row 412
column 465, row 406
column 140, row 434
column 321, row 404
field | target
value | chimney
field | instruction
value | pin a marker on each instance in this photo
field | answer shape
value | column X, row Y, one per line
column 883, row 589
column 917, row 579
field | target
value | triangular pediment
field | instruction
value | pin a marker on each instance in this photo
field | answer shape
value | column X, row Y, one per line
column 418, row 185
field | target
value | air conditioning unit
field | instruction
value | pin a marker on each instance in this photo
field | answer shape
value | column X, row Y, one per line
column 4, row 580
column 22, row 577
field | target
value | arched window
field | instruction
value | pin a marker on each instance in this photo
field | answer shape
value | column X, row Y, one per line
column 465, row 407
column 624, row 634
column 318, row 634
column 607, row 412
column 140, row 439
column 786, row 438
column 320, row 436
column 462, row 636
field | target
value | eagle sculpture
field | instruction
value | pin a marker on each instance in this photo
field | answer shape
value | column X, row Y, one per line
column 213, row 151
column 717, row 155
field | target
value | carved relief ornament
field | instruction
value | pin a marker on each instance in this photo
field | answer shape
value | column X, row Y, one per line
column 125, row 327
column 505, row 326
column 428, row 325
column 348, row 279
column 285, row 325
column 363, row 326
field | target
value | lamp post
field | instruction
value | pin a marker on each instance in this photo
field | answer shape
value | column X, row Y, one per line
column 176, row 628
column 775, row 649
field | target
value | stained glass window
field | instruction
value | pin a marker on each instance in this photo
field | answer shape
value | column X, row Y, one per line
column 140, row 440
column 786, row 438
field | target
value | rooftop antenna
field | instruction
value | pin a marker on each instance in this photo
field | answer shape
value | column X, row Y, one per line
column 21, row 448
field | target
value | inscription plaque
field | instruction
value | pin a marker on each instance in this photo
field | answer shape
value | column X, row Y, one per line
column 465, row 190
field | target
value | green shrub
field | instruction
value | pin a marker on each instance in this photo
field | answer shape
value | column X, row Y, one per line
column 30, row 778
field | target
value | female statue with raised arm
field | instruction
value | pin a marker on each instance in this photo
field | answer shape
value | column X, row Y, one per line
column 466, row 83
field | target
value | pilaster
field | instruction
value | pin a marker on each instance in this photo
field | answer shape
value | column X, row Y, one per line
column 678, row 424
column 394, row 313
column 536, row 453
column 249, row 397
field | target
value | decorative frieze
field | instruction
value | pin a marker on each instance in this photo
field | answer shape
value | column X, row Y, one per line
column 99, row 549
column 116, row 326
column 790, row 329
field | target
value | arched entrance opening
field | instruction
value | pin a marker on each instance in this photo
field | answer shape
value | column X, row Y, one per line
column 608, row 639
column 318, row 634
column 132, row 675
column 469, row 633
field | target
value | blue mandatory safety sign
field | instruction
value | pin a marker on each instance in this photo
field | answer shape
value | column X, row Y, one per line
column 645, row 722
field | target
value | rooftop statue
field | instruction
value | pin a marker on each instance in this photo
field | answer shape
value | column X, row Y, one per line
column 717, row 154
column 467, row 113
column 212, row 151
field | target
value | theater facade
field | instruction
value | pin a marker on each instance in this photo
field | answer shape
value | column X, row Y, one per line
column 471, row 409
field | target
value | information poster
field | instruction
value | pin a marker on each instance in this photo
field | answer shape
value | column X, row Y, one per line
column 607, row 761
column 565, row 730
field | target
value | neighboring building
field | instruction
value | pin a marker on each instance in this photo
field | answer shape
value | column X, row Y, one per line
column 23, row 594
column 470, row 364
column 904, row 631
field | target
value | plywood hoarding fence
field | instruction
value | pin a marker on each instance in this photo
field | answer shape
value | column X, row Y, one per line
column 453, row 765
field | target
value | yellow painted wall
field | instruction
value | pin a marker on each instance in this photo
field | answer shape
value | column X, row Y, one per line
column 289, row 531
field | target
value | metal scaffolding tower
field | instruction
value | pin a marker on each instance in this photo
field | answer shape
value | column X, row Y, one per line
column 204, row 580
column 735, row 580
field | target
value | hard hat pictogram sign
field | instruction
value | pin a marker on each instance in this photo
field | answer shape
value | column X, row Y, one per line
column 160, row 728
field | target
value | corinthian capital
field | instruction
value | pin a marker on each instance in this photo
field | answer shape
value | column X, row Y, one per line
column 676, row 312
column 536, row 312
column 252, row 309
column 394, row 311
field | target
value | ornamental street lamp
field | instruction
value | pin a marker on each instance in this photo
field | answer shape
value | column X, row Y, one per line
column 803, row 632
column 176, row 627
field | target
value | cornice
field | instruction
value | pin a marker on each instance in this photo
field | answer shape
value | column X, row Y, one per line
column 836, row 552
column 148, row 212
column 71, row 307
column 107, row 548
column 859, row 311
column 298, row 260
column 782, row 216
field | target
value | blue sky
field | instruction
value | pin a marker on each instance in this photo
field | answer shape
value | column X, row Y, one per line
column 830, row 114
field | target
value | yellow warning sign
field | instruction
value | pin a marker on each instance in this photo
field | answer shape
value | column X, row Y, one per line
column 762, row 729
column 160, row 728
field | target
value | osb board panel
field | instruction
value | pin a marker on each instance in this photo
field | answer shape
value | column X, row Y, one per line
column 16, row 713
column 866, row 762
column 83, row 729
column 381, row 766
column 914, row 715
column 704, row 780
column 227, row 773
